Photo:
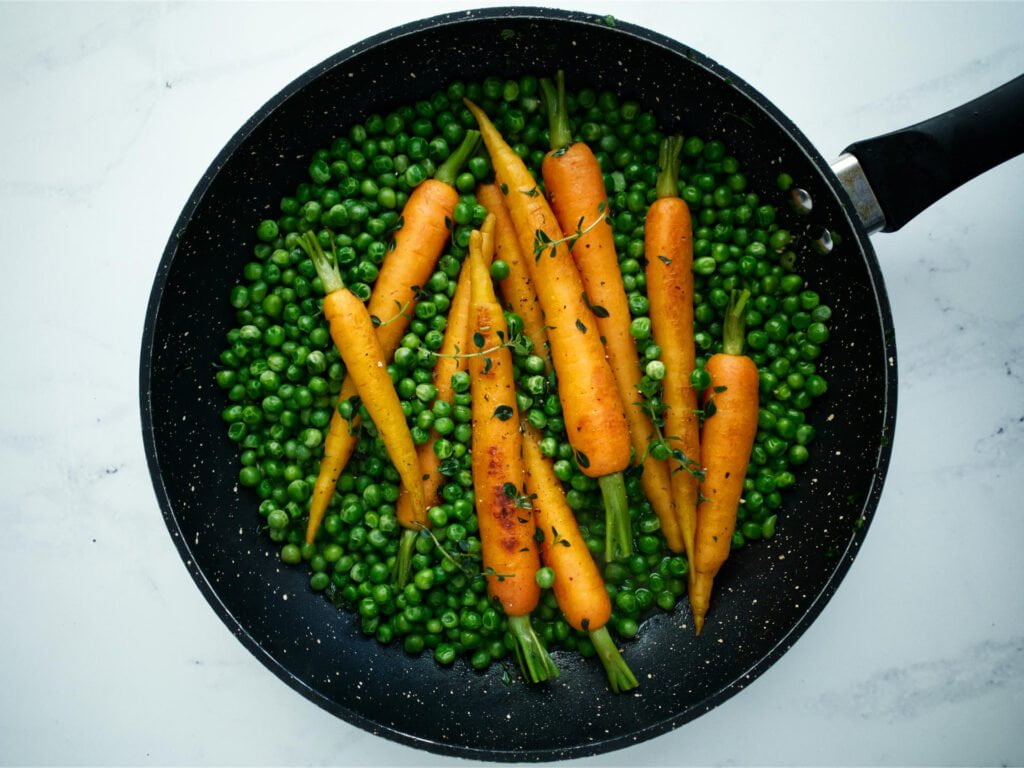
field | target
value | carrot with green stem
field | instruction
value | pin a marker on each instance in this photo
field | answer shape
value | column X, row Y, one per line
column 517, row 289
column 426, row 226
column 668, row 250
column 727, row 437
column 451, row 358
column 507, row 530
column 578, row 587
column 575, row 186
column 591, row 406
column 355, row 336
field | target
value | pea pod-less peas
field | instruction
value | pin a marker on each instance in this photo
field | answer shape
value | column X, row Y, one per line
column 281, row 375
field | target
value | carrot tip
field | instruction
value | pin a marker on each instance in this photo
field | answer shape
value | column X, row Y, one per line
column 698, row 623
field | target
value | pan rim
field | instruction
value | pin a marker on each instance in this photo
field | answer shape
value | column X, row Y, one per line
column 209, row 591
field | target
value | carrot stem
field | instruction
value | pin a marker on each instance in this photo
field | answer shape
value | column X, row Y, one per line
column 558, row 115
column 667, row 184
column 449, row 169
column 404, row 556
column 733, row 325
column 618, row 540
column 620, row 676
column 326, row 267
column 533, row 657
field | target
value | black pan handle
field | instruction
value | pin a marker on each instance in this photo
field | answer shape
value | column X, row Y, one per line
column 912, row 168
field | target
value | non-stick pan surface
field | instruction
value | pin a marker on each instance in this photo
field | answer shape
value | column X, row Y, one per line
column 766, row 596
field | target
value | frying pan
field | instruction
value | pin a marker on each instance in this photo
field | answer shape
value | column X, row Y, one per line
column 765, row 597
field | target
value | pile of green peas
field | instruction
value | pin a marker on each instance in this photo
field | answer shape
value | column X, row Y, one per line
column 281, row 373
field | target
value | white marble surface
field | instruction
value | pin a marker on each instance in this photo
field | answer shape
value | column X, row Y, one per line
column 108, row 652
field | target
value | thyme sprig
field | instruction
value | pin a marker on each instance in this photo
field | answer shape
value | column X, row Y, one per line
column 542, row 241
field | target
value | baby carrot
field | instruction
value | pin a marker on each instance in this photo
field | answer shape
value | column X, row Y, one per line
column 517, row 289
column 668, row 249
column 592, row 408
column 575, row 186
column 727, row 436
column 354, row 335
column 451, row 358
column 507, row 530
column 579, row 587
column 417, row 245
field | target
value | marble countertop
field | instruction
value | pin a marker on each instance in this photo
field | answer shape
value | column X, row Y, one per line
column 110, row 654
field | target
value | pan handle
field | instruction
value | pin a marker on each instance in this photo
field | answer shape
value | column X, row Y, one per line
column 893, row 177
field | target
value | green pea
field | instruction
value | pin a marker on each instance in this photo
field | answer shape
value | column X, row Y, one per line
column 499, row 269
column 705, row 265
column 563, row 470
column 817, row 333
column 545, row 577
column 445, row 654
column 291, row 554
column 798, row 454
column 640, row 328
column 751, row 531
column 460, row 381
column 821, row 313
column 626, row 627
column 700, row 379
column 779, row 239
column 267, row 230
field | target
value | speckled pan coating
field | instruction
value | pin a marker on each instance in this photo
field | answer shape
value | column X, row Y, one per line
column 767, row 594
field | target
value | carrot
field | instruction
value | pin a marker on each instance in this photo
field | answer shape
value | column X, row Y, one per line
column 507, row 530
column 354, row 335
column 451, row 358
column 727, row 436
column 416, row 247
column 517, row 289
column 668, row 249
column 578, row 587
column 592, row 408
column 576, row 189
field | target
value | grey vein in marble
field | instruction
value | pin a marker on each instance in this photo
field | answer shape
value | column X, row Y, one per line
column 905, row 692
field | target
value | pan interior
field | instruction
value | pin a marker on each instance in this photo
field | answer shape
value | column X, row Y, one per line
column 766, row 595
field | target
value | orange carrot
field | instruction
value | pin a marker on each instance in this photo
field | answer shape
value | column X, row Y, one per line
column 668, row 248
column 575, row 186
column 507, row 530
column 355, row 337
column 578, row 586
column 592, row 408
column 517, row 289
column 727, row 436
column 416, row 247
column 451, row 358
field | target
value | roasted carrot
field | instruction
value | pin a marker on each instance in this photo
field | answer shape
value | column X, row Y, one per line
column 416, row 247
column 516, row 289
column 727, row 436
column 507, row 530
column 668, row 250
column 579, row 587
column 575, row 186
column 451, row 358
column 354, row 335
column 594, row 416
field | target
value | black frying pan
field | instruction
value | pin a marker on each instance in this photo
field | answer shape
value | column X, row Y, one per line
column 765, row 597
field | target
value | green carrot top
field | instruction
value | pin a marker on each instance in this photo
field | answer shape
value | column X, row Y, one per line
column 734, row 326
column 558, row 114
column 449, row 169
column 326, row 266
column 668, row 167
